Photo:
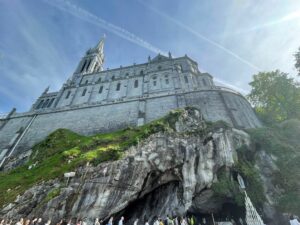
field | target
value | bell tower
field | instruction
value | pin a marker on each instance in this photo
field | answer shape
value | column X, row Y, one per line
column 93, row 60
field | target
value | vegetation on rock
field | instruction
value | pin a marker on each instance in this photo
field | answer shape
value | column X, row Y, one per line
column 63, row 150
column 281, row 141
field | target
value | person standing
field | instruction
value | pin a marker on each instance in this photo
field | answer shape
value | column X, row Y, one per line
column 294, row 221
column 39, row 221
column 136, row 222
column 121, row 221
column 110, row 222
column 156, row 222
column 20, row 222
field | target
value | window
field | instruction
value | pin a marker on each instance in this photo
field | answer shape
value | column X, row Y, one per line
column 87, row 67
column 99, row 80
column 167, row 79
column 159, row 67
column 82, row 68
column 118, row 87
column 46, row 103
column 186, row 79
column 50, row 103
column 84, row 91
column 136, row 83
column 100, row 89
column 87, row 81
column 96, row 65
column 154, row 81
column 204, row 82
column 181, row 69
column 68, row 94
column 40, row 104
column 113, row 77
column 142, row 72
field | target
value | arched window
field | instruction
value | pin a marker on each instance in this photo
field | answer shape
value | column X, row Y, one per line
column 99, row 80
column 84, row 91
column 186, row 79
column 204, row 82
column 87, row 81
column 142, row 72
column 68, row 94
column 88, row 65
column 100, row 89
column 154, row 80
column 95, row 67
column 82, row 68
column 118, row 87
column 136, row 83
column 40, row 104
column 167, row 79
column 46, row 103
column 50, row 103
column 113, row 77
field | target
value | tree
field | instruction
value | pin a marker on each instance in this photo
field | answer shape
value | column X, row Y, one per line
column 297, row 59
column 275, row 96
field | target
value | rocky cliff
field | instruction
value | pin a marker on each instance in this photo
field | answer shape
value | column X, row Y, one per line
column 177, row 165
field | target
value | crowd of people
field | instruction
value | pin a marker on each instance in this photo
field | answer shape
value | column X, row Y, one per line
column 157, row 221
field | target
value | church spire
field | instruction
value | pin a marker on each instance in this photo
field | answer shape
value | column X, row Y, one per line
column 100, row 44
column 93, row 60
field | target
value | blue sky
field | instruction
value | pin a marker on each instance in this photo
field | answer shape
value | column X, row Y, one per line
column 41, row 42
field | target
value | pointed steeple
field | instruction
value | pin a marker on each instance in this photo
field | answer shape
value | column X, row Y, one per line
column 93, row 59
column 46, row 90
column 100, row 44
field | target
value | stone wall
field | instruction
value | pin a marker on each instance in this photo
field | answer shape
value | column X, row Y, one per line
column 214, row 104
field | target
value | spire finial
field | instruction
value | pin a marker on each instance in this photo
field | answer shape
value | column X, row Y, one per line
column 100, row 44
column 46, row 90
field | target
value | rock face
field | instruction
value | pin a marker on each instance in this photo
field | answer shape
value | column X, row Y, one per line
column 165, row 174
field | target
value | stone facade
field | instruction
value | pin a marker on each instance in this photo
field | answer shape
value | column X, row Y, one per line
column 94, row 100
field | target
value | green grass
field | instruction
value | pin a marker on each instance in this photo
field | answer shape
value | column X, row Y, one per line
column 64, row 150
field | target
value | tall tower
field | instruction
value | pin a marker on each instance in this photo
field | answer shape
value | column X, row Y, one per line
column 92, row 61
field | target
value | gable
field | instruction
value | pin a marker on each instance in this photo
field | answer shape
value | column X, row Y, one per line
column 159, row 58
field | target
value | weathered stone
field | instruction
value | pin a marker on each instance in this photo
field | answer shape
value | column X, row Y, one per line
column 158, row 177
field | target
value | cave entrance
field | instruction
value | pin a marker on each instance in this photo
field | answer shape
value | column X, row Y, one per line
column 160, row 202
column 228, row 213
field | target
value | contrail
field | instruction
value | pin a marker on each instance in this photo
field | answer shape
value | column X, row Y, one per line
column 83, row 14
column 242, row 91
column 291, row 16
column 197, row 34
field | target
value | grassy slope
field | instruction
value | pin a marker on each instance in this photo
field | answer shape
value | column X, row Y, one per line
column 64, row 150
